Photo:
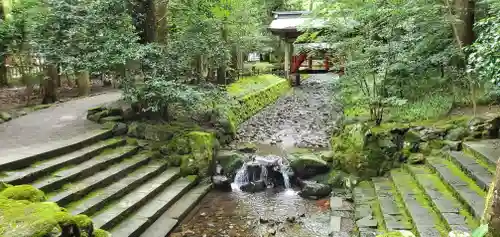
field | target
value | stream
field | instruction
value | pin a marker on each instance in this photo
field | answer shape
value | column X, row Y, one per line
column 303, row 118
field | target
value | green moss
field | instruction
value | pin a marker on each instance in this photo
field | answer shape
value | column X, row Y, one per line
column 457, row 172
column 401, row 206
column 251, row 84
column 392, row 234
column 405, row 183
column 192, row 178
column 424, row 173
column 24, row 192
column 201, row 150
column 101, row 233
column 488, row 202
column 22, row 218
column 3, row 186
column 478, row 158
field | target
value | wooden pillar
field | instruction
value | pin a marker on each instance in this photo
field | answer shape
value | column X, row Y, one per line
column 288, row 57
column 309, row 62
column 326, row 63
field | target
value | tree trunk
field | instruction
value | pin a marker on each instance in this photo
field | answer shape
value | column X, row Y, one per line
column 144, row 17
column 83, row 80
column 161, row 29
column 464, row 11
column 221, row 71
column 491, row 214
column 3, row 69
column 50, row 85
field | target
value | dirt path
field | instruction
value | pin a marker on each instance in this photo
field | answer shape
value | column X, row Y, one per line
column 303, row 118
column 59, row 122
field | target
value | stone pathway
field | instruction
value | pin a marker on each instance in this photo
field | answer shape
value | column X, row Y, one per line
column 59, row 122
column 304, row 118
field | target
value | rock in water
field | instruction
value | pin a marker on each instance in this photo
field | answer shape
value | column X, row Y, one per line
column 308, row 165
column 254, row 187
column 221, row 183
column 314, row 190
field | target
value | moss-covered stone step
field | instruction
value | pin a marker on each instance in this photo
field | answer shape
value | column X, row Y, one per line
column 84, row 169
column 138, row 221
column 488, row 150
column 476, row 171
column 99, row 198
column 114, row 212
column 367, row 215
column 36, row 170
column 465, row 189
column 427, row 222
column 77, row 190
column 169, row 219
column 25, row 156
column 451, row 210
column 392, row 209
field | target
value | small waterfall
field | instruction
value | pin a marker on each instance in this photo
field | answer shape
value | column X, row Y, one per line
column 263, row 169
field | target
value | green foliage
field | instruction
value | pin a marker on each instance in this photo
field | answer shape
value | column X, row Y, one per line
column 433, row 106
column 247, row 85
column 484, row 58
column 480, row 231
column 24, row 192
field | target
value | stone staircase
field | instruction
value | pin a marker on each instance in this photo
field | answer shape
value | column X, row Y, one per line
column 117, row 183
column 444, row 194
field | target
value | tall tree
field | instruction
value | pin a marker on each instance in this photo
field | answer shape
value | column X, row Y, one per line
column 3, row 49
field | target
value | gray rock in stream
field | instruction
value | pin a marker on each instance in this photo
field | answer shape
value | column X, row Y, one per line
column 253, row 187
column 221, row 183
column 314, row 190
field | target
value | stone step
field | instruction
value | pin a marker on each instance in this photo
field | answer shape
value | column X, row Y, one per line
column 77, row 190
column 488, row 150
column 426, row 221
column 31, row 173
column 177, row 212
column 25, row 156
column 84, row 169
column 367, row 209
column 477, row 172
column 141, row 219
column 393, row 210
column 465, row 189
column 97, row 199
column 114, row 212
column 451, row 210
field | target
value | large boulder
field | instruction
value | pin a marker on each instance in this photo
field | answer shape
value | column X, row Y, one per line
column 23, row 192
column 306, row 165
column 314, row 190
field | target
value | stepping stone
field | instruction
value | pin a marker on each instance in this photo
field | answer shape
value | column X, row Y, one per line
column 100, row 198
column 488, row 150
column 137, row 222
column 466, row 189
column 31, row 173
column 481, row 175
column 82, row 187
column 423, row 217
column 444, row 201
column 84, row 169
column 394, row 217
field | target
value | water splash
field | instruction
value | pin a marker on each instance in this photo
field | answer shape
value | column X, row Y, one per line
column 243, row 176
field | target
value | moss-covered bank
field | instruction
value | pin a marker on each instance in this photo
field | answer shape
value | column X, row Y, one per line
column 24, row 213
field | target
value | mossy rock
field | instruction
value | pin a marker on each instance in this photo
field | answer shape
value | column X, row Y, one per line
column 457, row 134
column 327, row 156
column 101, row 233
column 3, row 186
column 22, row 218
column 246, row 147
column 95, row 110
column 96, row 117
column 202, row 147
column 115, row 118
column 5, row 116
column 334, row 178
column 24, row 192
column 395, row 234
column 230, row 161
column 416, row 158
column 308, row 165
column 160, row 132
